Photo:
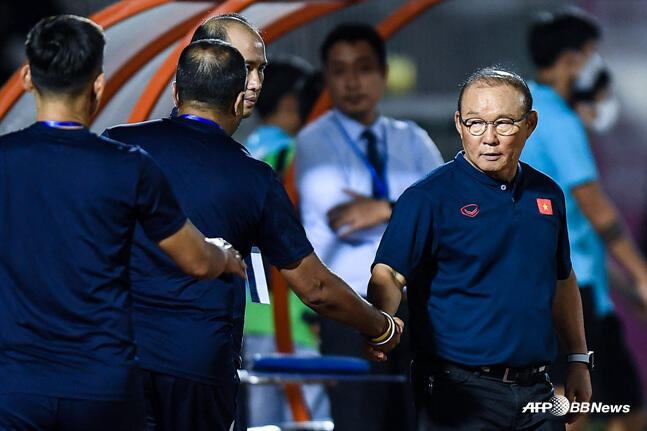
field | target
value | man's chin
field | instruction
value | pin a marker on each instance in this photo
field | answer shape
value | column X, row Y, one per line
column 248, row 111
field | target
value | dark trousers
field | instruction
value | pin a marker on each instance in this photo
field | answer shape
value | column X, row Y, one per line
column 370, row 405
column 27, row 412
column 177, row 404
column 453, row 398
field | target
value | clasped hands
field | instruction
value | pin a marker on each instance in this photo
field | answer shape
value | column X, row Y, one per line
column 376, row 351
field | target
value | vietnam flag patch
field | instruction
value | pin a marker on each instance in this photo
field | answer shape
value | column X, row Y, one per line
column 545, row 206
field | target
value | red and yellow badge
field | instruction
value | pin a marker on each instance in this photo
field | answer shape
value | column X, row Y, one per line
column 545, row 206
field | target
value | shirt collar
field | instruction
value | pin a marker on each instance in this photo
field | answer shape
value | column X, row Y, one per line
column 199, row 125
column 355, row 128
column 481, row 176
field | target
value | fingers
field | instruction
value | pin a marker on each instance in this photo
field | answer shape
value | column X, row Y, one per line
column 354, row 194
column 374, row 354
column 235, row 264
column 349, row 228
column 340, row 217
column 399, row 323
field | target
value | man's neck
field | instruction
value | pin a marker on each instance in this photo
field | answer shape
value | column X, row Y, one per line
column 557, row 80
column 365, row 118
column 63, row 110
column 227, row 123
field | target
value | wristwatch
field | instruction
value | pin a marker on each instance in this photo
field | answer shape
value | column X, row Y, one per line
column 586, row 358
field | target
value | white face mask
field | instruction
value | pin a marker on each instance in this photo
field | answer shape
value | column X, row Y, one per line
column 607, row 112
column 589, row 72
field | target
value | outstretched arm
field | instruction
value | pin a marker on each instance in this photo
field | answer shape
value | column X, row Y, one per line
column 330, row 296
column 604, row 218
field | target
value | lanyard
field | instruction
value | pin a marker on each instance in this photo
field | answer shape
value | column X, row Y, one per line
column 204, row 120
column 380, row 183
column 62, row 124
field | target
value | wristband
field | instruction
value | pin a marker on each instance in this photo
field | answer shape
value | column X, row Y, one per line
column 388, row 334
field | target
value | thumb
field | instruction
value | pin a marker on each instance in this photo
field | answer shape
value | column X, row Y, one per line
column 353, row 193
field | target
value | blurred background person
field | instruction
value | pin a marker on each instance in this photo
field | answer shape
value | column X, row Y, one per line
column 561, row 46
column 351, row 165
column 282, row 106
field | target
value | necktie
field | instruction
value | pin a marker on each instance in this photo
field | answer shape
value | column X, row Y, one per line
column 376, row 160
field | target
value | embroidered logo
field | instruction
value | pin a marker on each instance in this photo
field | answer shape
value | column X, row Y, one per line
column 545, row 206
column 470, row 210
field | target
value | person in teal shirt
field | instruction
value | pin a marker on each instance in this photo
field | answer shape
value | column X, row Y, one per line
column 561, row 45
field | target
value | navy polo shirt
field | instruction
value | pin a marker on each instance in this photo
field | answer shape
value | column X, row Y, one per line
column 186, row 327
column 70, row 202
column 482, row 260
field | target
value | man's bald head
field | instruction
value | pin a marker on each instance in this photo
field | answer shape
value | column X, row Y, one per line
column 210, row 75
column 235, row 29
column 217, row 27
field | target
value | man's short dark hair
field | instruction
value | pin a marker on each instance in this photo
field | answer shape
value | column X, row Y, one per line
column 210, row 72
column 282, row 77
column 551, row 35
column 65, row 53
column 216, row 27
column 352, row 33
column 494, row 76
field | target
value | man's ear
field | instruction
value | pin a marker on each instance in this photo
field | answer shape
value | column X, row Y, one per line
column 457, row 123
column 532, row 120
column 98, row 86
column 25, row 78
column 239, row 104
column 176, row 96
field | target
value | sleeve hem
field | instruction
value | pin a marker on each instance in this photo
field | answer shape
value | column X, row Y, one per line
column 289, row 260
column 393, row 263
column 168, row 231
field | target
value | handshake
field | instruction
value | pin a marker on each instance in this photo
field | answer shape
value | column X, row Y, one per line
column 377, row 348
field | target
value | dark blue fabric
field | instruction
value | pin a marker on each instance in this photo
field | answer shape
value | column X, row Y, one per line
column 41, row 413
column 455, row 399
column 190, row 328
column 481, row 264
column 174, row 404
column 70, row 202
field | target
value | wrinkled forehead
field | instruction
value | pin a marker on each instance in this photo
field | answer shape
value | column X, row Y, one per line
column 501, row 96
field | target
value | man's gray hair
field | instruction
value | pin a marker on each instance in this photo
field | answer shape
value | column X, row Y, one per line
column 493, row 76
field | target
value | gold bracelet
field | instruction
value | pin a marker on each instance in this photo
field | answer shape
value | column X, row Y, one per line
column 388, row 331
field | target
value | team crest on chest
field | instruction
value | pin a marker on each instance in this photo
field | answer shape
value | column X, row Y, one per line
column 545, row 206
column 470, row 210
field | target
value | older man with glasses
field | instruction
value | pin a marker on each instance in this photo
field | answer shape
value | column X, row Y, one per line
column 482, row 246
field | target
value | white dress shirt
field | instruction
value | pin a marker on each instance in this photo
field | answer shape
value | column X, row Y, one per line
column 327, row 162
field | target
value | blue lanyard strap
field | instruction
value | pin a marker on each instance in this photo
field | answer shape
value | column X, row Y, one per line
column 379, row 182
column 203, row 120
column 62, row 124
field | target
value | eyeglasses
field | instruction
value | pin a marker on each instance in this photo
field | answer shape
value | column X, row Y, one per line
column 502, row 126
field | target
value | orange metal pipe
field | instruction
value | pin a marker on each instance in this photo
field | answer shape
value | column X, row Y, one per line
column 12, row 90
column 143, row 56
column 160, row 80
column 386, row 28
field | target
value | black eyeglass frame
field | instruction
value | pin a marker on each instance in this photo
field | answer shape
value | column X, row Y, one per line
column 487, row 123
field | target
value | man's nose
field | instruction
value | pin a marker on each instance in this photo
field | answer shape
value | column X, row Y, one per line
column 253, row 81
column 352, row 79
column 490, row 136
